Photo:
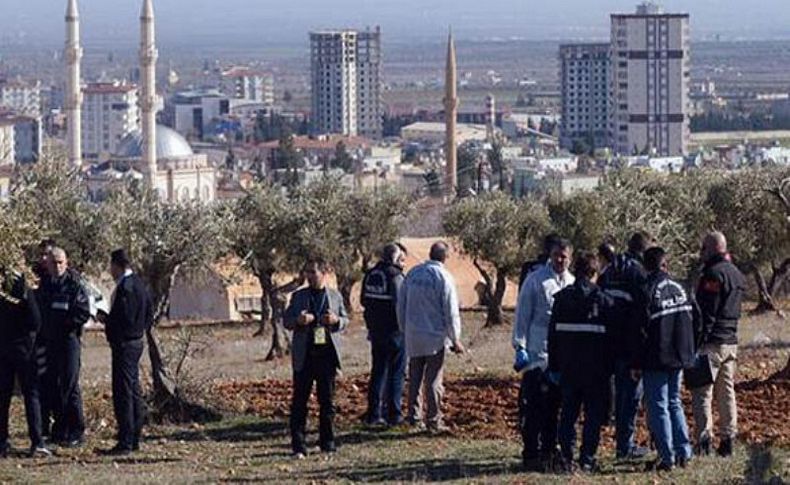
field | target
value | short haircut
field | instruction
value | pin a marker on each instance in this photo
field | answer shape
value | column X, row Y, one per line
column 319, row 264
column 606, row 251
column 639, row 242
column 46, row 243
column 439, row 251
column 550, row 240
column 390, row 252
column 402, row 248
column 58, row 251
column 561, row 244
column 585, row 265
column 119, row 258
column 654, row 258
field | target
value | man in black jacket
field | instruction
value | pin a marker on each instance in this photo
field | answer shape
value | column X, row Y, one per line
column 528, row 267
column 626, row 274
column 719, row 296
column 667, row 347
column 64, row 309
column 19, row 322
column 130, row 316
column 380, row 289
column 580, row 352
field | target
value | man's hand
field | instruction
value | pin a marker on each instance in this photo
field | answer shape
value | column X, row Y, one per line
column 636, row 374
column 458, row 348
column 330, row 318
column 305, row 318
column 521, row 360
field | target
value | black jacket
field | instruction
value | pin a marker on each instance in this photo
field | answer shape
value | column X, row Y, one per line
column 380, row 289
column 65, row 307
column 19, row 314
column 667, row 330
column 624, row 276
column 579, row 343
column 131, row 313
column 719, row 296
column 531, row 266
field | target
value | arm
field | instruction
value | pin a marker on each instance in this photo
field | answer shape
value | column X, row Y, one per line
column 81, row 308
column 452, row 311
column 524, row 314
column 34, row 315
column 709, row 299
column 291, row 314
column 400, row 304
column 342, row 316
column 553, row 348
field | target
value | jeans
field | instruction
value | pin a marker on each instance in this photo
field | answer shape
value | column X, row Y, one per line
column 387, row 377
column 539, row 405
column 593, row 396
column 724, row 359
column 426, row 379
column 322, row 371
column 628, row 393
column 665, row 415
column 127, row 397
column 18, row 361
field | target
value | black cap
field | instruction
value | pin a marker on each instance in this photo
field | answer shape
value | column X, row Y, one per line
column 120, row 258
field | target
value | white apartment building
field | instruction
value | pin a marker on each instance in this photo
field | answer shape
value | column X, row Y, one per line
column 650, row 82
column 21, row 138
column 7, row 149
column 584, row 77
column 346, row 82
column 22, row 97
column 110, row 113
column 248, row 84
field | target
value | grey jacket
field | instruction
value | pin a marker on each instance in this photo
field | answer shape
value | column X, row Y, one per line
column 300, row 301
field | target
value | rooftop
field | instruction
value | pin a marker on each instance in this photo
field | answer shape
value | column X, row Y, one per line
column 108, row 88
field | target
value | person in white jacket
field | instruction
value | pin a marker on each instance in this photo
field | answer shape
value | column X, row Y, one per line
column 429, row 316
column 539, row 396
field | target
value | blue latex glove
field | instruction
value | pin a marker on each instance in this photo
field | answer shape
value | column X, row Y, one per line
column 554, row 377
column 522, row 360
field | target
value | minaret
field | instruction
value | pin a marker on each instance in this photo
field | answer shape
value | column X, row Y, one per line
column 73, row 95
column 148, row 55
column 450, row 115
column 490, row 118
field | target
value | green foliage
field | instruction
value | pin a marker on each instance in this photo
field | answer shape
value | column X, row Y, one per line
column 342, row 159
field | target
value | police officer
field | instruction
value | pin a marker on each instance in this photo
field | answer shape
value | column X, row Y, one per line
column 19, row 322
column 65, row 309
column 719, row 296
column 581, row 360
column 626, row 274
column 380, row 289
column 130, row 316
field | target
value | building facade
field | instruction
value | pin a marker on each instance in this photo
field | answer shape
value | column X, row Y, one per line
column 26, row 136
column 650, row 78
column 7, row 148
column 191, row 113
column 584, row 78
column 110, row 113
column 248, row 84
column 346, row 82
column 22, row 97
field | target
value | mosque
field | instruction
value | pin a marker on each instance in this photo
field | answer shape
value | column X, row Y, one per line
column 156, row 154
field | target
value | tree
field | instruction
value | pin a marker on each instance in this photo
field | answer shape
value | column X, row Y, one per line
column 782, row 193
column 163, row 240
column 497, row 162
column 466, row 168
column 499, row 234
column 287, row 158
column 342, row 159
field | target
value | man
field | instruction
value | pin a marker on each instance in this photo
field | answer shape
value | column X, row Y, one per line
column 430, row 319
column 65, row 309
column 380, row 289
column 626, row 274
column 580, row 351
column 667, row 347
column 19, row 322
column 530, row 266
column 719, row 296
column 41, row 268
column 316, row 315
column 539, row 396
column 130, row 316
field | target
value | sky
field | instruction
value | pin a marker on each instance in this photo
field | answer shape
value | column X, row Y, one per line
column 288, row 21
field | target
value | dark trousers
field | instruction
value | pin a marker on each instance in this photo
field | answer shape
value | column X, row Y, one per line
column 127, row 396
column 539, row 404
column 387, row 377
column 18, row 361
column 65, row 400
column 47, row 386
column 628, row 395
column 322, row 372
column 593, row 396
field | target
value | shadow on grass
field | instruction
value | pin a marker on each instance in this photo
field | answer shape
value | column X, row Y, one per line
column 762, row 467
column 239, row 432
column 418, row 470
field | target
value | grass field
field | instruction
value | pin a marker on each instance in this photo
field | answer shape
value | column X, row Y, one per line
column 251, row 444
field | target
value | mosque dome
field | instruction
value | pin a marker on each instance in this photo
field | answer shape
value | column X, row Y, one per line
column 169, row 144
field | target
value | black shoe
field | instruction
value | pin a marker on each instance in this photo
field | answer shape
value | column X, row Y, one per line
column 136, row 446
column 725, row 448
column 39, row 451
column 118, row 450
column 659, row 466
column 682, row 462
column 590, row 467
column 329, row 447
column 4, row 449
column 703, row 447
column 533, row 464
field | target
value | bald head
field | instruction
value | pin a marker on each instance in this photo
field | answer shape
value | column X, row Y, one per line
column 439, row 252
column 59, row 262
column 714, row 244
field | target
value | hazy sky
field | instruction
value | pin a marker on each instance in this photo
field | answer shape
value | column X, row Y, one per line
column 243, row 21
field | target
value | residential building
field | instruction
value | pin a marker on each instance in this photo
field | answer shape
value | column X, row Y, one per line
column 584, row 77
column 110, row 112
column 7, row 148
column 248, row 84
column 22, row 97
column 27, row 137
column 346, row 82
column 191, row 113
column 650, row 52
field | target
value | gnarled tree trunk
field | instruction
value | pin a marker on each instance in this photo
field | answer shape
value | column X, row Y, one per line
column 495, row 293
column 765, row 302
column 277, row 299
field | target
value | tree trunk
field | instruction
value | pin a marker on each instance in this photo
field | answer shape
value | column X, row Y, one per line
column 277, row 297
column 165, row 388
column 345, row 285
column 266, row 313
column 493, row 296
column 779, row 277
column 785, row 373
column 765, row 299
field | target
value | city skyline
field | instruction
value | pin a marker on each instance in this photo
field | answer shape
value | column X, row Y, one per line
column 37, row 22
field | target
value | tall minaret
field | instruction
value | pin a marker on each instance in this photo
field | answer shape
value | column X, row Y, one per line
column 73, row 101
column 450, row 115
column 148, row 55
column 490, row 118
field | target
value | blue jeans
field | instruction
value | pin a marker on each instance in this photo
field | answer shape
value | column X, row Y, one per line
column 665, row 415
column 628, row 393
column 387, row 377
column 593, row 395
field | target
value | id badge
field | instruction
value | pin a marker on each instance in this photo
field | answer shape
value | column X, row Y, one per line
column 319, row 336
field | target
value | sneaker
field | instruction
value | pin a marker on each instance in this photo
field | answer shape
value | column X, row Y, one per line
column 703, row 447
column 725, row 448
column 39, row 451
column 75, row 443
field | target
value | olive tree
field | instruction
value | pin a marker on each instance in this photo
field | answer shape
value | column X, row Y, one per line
column 498, row 233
